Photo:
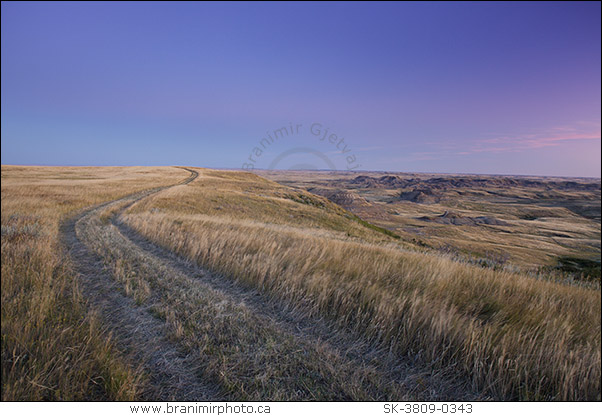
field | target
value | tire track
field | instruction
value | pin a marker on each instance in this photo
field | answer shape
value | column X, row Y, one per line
column 177, row 370
column 173, row 375
column 416, row 381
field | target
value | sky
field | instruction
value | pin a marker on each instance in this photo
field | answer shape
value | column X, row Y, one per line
column 500, row 88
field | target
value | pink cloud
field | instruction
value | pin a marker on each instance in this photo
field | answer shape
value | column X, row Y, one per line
column 553, row 137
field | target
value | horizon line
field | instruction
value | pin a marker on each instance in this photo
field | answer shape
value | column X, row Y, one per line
column 307, row 170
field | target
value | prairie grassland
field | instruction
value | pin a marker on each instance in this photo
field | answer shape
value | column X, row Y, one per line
column 53, row 348
column 513, row 336
column 323, row 273
column 239, row 343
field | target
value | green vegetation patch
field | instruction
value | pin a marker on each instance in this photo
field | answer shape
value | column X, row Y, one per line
column 586, row 269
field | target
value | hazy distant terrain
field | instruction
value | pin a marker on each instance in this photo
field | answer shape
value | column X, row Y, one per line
column 534, row 223
column 227, row 285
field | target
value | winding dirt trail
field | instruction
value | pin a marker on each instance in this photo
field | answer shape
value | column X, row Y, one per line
column 178, row 369
column 173, row 376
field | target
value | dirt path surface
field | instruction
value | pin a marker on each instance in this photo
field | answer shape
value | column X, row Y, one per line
column 202, row 336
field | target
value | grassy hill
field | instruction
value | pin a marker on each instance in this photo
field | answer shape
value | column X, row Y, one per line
column 515, row 336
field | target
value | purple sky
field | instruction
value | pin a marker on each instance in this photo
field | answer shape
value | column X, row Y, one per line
column 505, row 88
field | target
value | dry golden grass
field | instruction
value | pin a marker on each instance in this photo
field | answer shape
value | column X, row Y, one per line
column 52, row 347
column 239, row 342
column 514, row 336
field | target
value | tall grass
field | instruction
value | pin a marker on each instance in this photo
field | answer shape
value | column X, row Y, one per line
column 515, row 337
column 53, row 347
